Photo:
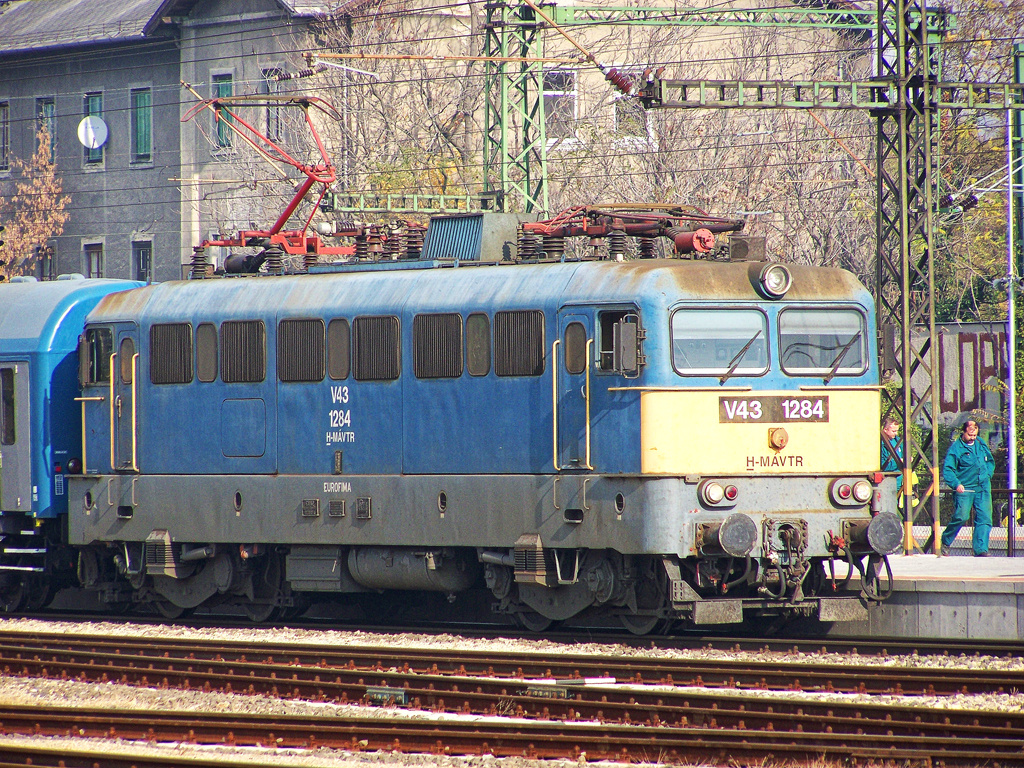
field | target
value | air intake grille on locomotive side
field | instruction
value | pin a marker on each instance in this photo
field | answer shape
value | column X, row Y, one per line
column 519, row 343
column 243, row 351
column 300, row 350
column 377, row 354
column 437, row 346
column 170, row 356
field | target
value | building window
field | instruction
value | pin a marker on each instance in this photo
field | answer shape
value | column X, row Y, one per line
column 46, row 114
column 243, row 347
column 377, row 353
column 94, row 260
column 5, row 136
column 519, row 343
column 271, row 86
column 560, row 103
column 142, row 125
column 437, row 346
column 92, row 106
column 223, row 87
column 170, row 353
column 300, row 350
column 142, row 260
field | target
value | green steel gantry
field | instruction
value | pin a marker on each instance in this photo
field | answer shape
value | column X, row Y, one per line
column 906, row 99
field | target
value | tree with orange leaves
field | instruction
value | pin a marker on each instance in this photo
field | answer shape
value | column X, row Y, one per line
column 35, row 212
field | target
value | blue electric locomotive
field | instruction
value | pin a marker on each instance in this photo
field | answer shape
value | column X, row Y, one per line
column 650, row 440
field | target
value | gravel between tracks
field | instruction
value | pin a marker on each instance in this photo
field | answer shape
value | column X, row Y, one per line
column 22, row 691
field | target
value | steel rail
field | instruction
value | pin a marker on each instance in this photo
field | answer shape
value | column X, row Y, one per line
column 505, row 737
column 133, row 658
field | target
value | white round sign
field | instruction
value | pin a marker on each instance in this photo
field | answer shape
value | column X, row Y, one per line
column 92, row 132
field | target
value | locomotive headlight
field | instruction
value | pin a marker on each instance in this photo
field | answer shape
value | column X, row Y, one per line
column 850, row 492
column 712, row 493
column 862, row 491
column 776, row 280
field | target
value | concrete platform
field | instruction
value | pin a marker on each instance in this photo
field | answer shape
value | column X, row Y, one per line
column 956, row 597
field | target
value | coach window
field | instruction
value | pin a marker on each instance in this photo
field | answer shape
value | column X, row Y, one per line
column 376, row 348
column 300, row 350
column 437, row 346
column 7, row 406
column 243, row 351
column 125, row 354
column 99, row 343
column 339, row 349
column 519, row 343
column 170, row 353
column 575, row 348
column 719, row 342
column 478, row 344
column 206, row 352
column 820, row 341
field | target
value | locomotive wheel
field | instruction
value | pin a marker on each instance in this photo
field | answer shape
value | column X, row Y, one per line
column 642, row 625
column 12, row 592
column 168, row 610
column 533, row 621
column 39, row 592
column 267, row 585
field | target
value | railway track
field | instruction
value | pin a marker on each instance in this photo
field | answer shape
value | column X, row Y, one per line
column 342, row 674
column 533, row 704
column 902, row 736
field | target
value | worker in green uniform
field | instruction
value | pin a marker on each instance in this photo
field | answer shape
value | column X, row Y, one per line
column 968, row 469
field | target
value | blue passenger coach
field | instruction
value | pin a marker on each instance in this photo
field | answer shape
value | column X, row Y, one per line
column 40, row 432
column 649, row 440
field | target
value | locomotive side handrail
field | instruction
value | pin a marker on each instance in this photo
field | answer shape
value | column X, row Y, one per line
column 113, row 460
column 135, row 420
column 590, row 343
column 554, row 403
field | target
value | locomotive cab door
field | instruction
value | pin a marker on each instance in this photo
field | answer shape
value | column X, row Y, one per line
column 15, row 457
column 572, row 364
column 124, row 406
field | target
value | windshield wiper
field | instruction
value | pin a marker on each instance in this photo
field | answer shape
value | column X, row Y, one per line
column 839, row 358
column 734, row 363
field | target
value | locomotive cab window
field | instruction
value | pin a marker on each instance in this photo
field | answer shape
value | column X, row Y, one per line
column 823, row 341
column 126, row 354
column 170, row 353
column 519, row 343
column 719, row 342
column 437, row 346
column 575, row 348
column 94, row 350
column 620, row 341
column 300, row 350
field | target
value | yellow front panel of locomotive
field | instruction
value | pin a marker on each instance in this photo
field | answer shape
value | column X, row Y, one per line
column 729, row 432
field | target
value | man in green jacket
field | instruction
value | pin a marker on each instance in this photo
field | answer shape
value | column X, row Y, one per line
column 968, row 469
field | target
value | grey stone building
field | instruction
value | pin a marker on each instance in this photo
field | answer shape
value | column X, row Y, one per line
column 137, row 203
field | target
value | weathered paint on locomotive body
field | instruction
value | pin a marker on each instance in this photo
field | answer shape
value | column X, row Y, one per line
column 250, row 462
